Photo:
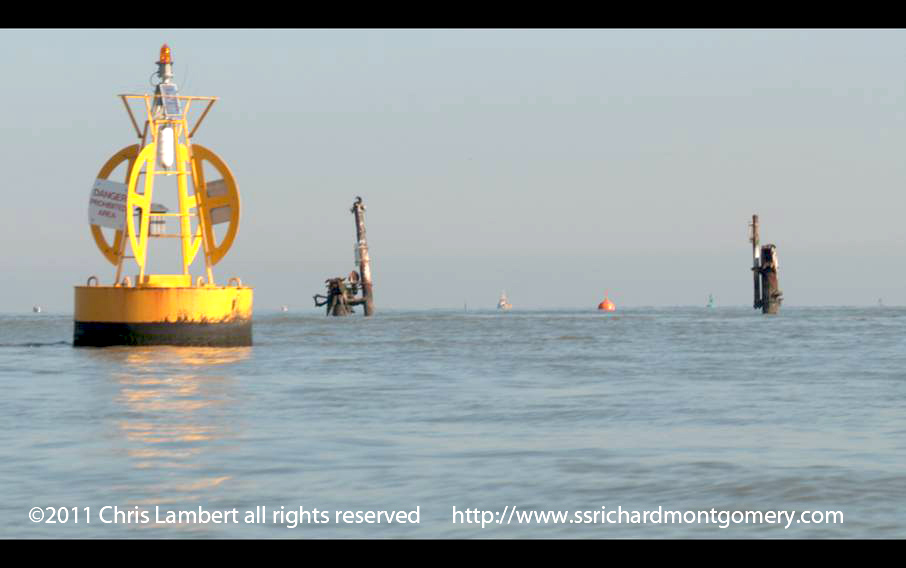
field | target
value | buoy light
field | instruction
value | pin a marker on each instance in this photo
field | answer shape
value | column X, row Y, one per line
column 165, row 54
column 167, row 148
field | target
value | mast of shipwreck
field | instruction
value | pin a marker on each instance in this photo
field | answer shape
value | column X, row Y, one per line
column 341, row 292
column 767, row 294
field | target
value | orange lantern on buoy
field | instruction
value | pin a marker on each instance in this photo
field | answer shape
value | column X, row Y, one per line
column 606, row 305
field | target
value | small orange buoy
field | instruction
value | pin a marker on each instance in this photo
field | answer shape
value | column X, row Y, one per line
column 606, row 305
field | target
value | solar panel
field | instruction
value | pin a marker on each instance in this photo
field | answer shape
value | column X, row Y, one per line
column 170, row 100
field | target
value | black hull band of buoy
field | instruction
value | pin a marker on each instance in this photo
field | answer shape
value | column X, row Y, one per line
column 219, row 334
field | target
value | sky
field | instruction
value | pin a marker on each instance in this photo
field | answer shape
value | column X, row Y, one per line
column 554, row 164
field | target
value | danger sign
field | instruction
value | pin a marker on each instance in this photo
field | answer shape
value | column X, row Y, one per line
column 107, row 206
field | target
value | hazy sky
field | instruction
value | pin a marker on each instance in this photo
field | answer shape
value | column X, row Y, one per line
column 555, row 164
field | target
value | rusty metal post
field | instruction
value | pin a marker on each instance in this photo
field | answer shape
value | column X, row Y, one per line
column 358, row 209
column 771, row 296
column 764, row 271
column 756, row 262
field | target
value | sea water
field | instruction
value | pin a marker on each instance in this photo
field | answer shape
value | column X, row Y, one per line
column 437, row 424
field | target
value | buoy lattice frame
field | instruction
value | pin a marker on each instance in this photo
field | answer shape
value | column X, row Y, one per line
column 212, row 201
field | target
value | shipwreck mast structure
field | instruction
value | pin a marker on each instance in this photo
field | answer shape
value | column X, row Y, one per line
column 362, row 256
column 767, row 294
column 341, row 292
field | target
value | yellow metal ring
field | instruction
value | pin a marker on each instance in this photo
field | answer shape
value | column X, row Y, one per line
column 206, row 204
column 142, row 201
column 113, row 251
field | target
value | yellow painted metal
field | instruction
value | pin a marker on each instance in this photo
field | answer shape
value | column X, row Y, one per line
column 113, row 251
column 165, row 281
column 141, row 201
column 206, row 203
column 119, row 304
column 200, row 201
column 186, row 204
column 168, row 298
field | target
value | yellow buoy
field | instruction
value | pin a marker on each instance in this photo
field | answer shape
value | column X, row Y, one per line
column 164, row 309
